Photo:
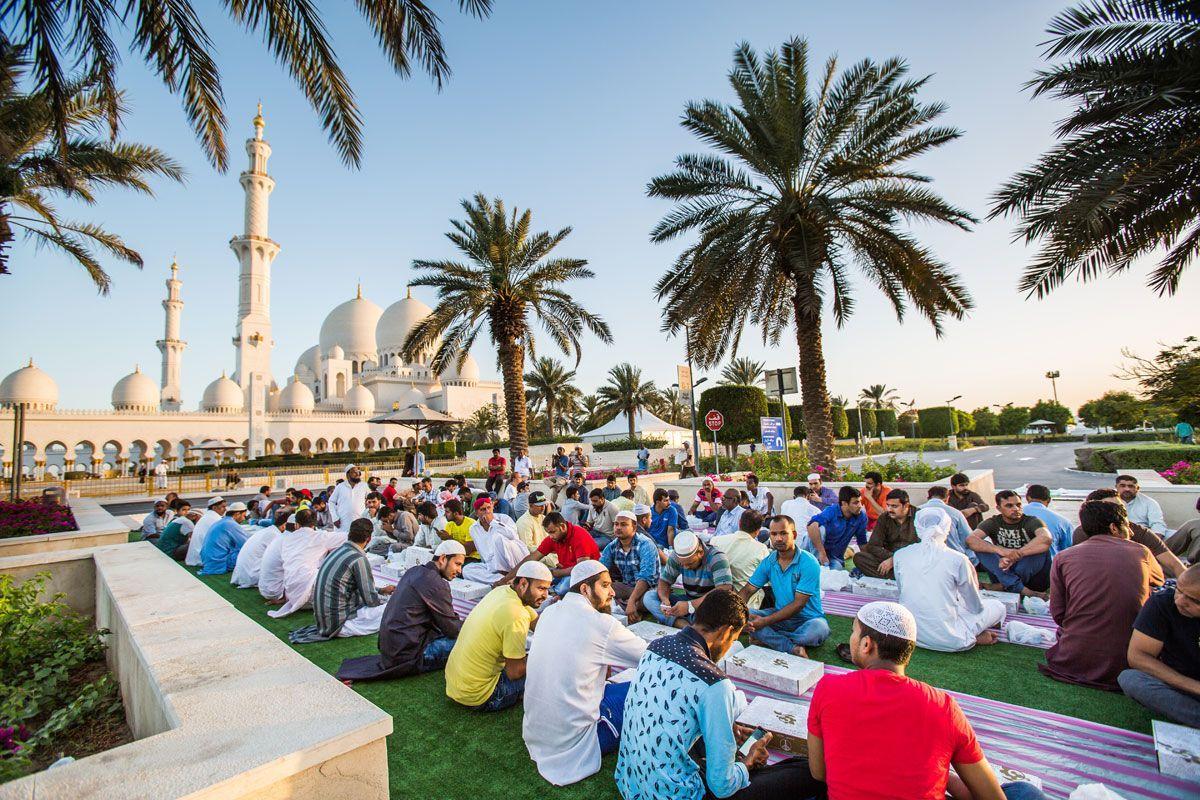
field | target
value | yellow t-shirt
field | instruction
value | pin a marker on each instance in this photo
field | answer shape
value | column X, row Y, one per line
column 493, row 631
column 460, row 531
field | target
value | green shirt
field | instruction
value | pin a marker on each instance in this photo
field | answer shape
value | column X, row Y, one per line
column 174, row 535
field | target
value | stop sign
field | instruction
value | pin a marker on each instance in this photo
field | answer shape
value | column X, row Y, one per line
column 714, row 420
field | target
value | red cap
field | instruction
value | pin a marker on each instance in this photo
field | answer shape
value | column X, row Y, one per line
column 307, row 493
column 481, row 501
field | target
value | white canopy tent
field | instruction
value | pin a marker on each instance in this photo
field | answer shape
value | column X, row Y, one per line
column 646, row 424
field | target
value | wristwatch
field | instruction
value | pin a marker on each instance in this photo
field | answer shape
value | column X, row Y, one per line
column 691, row 607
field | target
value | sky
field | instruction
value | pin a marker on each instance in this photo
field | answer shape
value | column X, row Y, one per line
column 570, row 109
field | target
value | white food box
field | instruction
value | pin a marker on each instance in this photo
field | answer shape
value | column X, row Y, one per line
column 649, row 631
column 1178, row 749
column 391, row 570
column 462, row 589
column 624, row 676
column 416, row 556
column 1011, row 600
column 374, row 559
column 787, row 722
column 875, row 587
column 734, row 649
column 783, row 672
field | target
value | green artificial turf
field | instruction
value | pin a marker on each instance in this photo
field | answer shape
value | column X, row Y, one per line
column 441, row 750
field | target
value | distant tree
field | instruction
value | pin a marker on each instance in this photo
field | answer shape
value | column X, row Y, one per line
column 966, row 421
column 909, row 424
column 879, row 395
column 669, row 408
column 626, row 393
column 487, row 424
column 549, row 386
column 1114, row 409
column 743, row 372
column 1059, row 414
column 1170, row 379
column 986, row 423
column 591, row 413
column 1013, row 419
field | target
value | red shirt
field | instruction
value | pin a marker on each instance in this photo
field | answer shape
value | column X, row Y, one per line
column 872, row 514
column 888, row 736
column 496, row 466
column 575, row 546
column 389, row 496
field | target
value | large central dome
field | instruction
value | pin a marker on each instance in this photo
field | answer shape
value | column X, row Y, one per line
column 398, row 321
column 351, row 326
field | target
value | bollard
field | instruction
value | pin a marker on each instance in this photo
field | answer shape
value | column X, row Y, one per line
column 150, row 485
column 207, row 484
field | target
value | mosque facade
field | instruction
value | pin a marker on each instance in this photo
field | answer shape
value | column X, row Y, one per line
column 354, row 371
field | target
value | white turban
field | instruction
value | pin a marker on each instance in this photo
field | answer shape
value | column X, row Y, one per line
column 933, row 526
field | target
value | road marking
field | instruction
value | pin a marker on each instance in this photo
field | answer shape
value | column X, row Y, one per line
column 976, row 461
column 1026, row 458
column 941, row 461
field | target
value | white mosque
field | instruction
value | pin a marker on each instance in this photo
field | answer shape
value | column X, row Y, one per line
column 354, row 370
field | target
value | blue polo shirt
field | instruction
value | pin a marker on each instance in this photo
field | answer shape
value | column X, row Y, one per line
column 839, row 530
column 1061, row 531
column 802, row 576
column 659, row 520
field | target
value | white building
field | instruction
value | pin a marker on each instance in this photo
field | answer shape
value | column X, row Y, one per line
column 354, row 371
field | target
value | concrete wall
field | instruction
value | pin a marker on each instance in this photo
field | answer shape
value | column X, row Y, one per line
column 222, row 709
column 96, row 528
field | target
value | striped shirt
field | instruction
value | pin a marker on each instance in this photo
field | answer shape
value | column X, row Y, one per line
column 343, row 585
column 712, row 572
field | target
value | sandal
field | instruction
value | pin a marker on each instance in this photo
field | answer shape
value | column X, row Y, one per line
column 843, row 652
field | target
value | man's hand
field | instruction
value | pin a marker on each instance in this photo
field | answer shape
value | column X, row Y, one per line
column 741, row 732
column 756, row 623
column 632, row 612
column 757, row 756
column 885, row 566
column 823, row 557
column 679, row 609
column 387, row 589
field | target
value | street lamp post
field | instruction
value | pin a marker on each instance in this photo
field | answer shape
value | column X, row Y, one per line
column 950, row 406
column 692, row 413
column 912, row 418
column 1054, row 375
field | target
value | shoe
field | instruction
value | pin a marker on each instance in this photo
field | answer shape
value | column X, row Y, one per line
column 843, row 652
column 856, row 573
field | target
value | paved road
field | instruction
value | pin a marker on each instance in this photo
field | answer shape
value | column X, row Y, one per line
column 143, row 506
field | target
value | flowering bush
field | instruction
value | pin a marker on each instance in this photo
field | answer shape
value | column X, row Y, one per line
column 30, row 517
column 1183, row 472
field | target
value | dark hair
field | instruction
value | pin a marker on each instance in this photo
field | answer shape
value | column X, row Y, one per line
column 1100, row 494
column 958, row 479
column 178, row 503
column 1004, row 494
column 453, row 506
column 898, row 494
column 627, row 493
column 495, row 449
column 522, row 486
column 321, row 498
column 750, row 476
column 721, row 608
column 784, row 518
column 1096, row 516
column 939, row 492
column 572, row 491
column 264, row 488
column 553, row 518
column 591, row 582
column 596, row 493
column 1129, row 478
column 672, row 494
column 360, row 531
column 281, row 518
column 846, row 494
column 305, row 518
column 1037, row 492
column 427, row 509
column 750, row 521
column 374, row 496
column 873, row 476
column 799, row 490
column 612, row 476
column 891, row 648
column 659, row 494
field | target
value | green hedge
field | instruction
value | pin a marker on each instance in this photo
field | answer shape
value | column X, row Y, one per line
column 1115, row 459
column 886, row 422
column 937, row 421
column 741, row 406
column 796, row 420
column 868, row 421
column 841, row 426
column 628, row 444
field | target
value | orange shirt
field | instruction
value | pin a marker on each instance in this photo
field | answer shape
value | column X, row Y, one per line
column 872, row 514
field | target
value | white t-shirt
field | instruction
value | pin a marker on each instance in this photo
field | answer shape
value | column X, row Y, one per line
column 249, row 560
column 206, row 521
column 801, row 511
column 523, row 466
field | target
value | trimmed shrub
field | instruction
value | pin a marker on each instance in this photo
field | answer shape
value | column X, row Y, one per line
column 796, row 420
column 868, row 420
column 741, row 406
column 886, row 422
column 986, row 423
column 966, row 421
column 1115, row 459
column 841, row 426
column 937, row 421
column 651, row 443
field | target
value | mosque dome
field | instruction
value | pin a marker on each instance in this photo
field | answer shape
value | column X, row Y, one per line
column 223, row 396
column 413, row 397
column 296, row 398
column 358, row 400
column 29, row 386
column 310, row 359
column 352, row 325
column 468, row 374
column 136, row 392
column 398, row 321
column 337, row 353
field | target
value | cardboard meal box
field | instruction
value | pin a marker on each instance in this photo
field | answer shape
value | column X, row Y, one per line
column 624, row 676
column 879, row 588
column 787, row 723
column 650, row 631
column 1011, row 600
column 391, row 570
column 783, row 672
column 416, row 556
column 1178, row 749
column 462, row 589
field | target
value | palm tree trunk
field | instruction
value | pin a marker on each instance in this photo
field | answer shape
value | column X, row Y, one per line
column 814, row 393
column 6, row 238
column 629, row 412
column 512, row 368
column 550, row 416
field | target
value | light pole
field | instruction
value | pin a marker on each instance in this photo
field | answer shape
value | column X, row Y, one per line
column 692, row 414
column 912, row 419
column 1054, row 375
column 862, row 443
column 950, row 405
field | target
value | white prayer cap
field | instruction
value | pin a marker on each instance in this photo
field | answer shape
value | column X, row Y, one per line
column 291, row 520
column 584, row 570
column 235, row 507
column 890, row 618
column 450, row 547
column 629, row 515
column 534, row 570
column 812, row 476
column 215, row 501
column 686, row 544
column 350, row 467
column 641, row 510
column 932, row 525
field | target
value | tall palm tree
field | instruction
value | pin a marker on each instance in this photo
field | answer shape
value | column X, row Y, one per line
column 839, row 400
column 170, row 38
column 486, row 424
column 626, row 393
column 743, row 372
column 549, row 386
column 34, row 169
column 670, row 407
column 592, row 413
column 879, row 396
column 1121, row 182
column 805, row 184
column 509, row 281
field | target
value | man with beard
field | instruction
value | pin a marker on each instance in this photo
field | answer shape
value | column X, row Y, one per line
column 797, row 621
column 349, row 499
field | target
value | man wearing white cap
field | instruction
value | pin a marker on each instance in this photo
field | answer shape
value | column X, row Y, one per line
column 819, row 494
column 302, row 552
column 634, row 560
column 496, row 541
column 213, row 513
column 349, row 499
column 249, row 560
column 702, row 570
column 224, row 541
column 486, row 668
column 571, row 716
column 270, row 573
column 875, row 732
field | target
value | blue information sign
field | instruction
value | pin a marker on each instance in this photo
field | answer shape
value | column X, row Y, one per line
column 772, row 434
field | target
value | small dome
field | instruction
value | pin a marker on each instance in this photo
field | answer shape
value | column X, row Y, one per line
column 29, row 386
column 398, row 321
column 337, row 353
column 413, row 397
column 352, row 325
column 136, row 392
column 296, row 398
column 358, row 400
column 310, row 359
column 469, row 374
column 223, row 396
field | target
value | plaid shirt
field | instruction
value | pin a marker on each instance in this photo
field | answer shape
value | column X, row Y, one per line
column 343, row 585
column 639, row 564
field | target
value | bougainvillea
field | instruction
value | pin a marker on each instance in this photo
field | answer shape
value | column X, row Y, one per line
column 30, row 517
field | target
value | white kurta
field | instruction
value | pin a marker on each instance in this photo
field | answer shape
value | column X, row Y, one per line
column 573, row 647
column 939, row 586
column 801, row 511
column 249, row 560
column 206, row 521
column 500, row 548
column 347, row 503
column 270, row 573
column 303, row 551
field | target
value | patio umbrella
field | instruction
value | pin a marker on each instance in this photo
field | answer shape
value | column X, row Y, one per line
column 217, row 445
column 1041, row 423
column 416, row 416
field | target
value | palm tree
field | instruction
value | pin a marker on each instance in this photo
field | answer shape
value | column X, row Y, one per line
column 486, row 424
column 839, row 400
column 1121, row 182
column 509, row 278
column 549, row 386
column 879, row 396
column 33, row 169
column 670, row 407
column 626, row 393
column 743, row 372
column 806, row 184
column 170, row 38
column 592, row 413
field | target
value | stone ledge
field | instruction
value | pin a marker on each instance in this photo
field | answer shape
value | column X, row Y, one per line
column 97, row 528
column 222, row 708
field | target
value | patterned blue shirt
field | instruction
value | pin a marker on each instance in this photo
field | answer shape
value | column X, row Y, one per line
column 641, row 563
column 678, row 697
column 1061, row 531
column 802, row 576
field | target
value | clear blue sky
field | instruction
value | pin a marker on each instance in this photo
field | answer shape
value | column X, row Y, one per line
column 570, row 108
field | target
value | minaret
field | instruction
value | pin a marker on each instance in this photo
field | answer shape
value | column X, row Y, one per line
column 255, row 252
column 171, row 346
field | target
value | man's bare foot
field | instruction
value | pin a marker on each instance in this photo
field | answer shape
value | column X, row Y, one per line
column 799, row 651
column 991, row 587
column 987, row 637
column 277, row 602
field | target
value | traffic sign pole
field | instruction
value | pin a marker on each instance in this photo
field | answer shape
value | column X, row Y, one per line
column 716, row 458
column 715, row 421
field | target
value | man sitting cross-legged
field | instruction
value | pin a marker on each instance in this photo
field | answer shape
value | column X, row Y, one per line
column 893, row 531
column 633, row 561
column 496, row 540
column 877, row 733
column 744, row 552
column 223, row 542
column 681, row 702
column 830, row 532
column 569, row 543
column 1014, row 548
column 1172, row 567
column 486, row 668
column 794, row 575
column 419, row 625
column 941, row 589
column 301, row 552
column 571, row 716
column 702, row 569
column 249, row 560
column 345, row 600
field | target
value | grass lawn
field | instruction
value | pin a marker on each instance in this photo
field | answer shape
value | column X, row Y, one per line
column 441, row 750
